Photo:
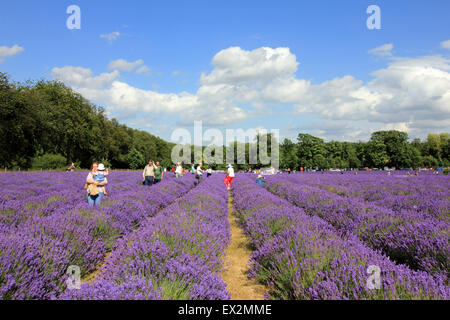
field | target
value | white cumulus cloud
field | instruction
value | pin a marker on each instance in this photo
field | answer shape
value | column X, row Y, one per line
column 406, row 94
column 79, row 77
column 383, row 51
column 124, row 65
column 143, row 69
column 445, row 44
column 410, row 93
column 235, row 65
column 9, row 51
column 110, row 36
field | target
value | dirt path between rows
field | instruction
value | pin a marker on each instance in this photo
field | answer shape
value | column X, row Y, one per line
column 95, row 275
column 237, row 256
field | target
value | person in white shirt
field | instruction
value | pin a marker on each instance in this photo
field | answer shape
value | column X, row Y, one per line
column 208, row 172
column 94, row 194
column 179, row 170
column 229, row 177
column 199, row 173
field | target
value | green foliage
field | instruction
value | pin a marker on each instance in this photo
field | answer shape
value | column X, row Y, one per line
column 288, row 155
column 391, row 148
column 49, row 117
column 49, row 161
column 376, row 152
column 430, row 161
column 135, row 159
column 385, row 148
column 310, row 151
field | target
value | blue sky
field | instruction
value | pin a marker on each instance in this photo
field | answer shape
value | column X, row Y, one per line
column 324, row 84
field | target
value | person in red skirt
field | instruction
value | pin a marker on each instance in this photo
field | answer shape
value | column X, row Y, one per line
column 229, row 177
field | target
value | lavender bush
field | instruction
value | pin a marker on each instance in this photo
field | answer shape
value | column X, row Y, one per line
column 420, row 241
column 303, row 257
column 46, row 225
column 425, row 194
column 314, row 239
column 179, row 252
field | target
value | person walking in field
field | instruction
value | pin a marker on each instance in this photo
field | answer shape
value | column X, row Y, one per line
column 159, row 174
column 94, row 193
column 229, row 177
column 260, row 181
column 208, row 172
column 192, row 169
column 149, row 173
column 179, row 170
column 199, row 173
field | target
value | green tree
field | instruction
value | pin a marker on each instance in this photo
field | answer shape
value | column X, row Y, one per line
column 20, row 124
column 376, row 153
column 433, row 145
column 308, row 149
column 430, row 161
column 351, row 156
column 135, row 159
column 288, row 155
column 390, row 148
column 49, row 161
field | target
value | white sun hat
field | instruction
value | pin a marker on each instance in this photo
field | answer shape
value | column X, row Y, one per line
column 101, row 167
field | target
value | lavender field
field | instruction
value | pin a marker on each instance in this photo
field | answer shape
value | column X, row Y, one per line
column 311, row 236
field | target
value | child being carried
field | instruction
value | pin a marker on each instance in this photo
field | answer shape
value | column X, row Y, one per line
column 100, row 177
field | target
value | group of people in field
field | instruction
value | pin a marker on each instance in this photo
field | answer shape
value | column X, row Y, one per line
column 199, row 172
column 153, row 173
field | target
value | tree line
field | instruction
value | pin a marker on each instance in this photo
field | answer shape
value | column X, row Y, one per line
column 390, row 149
column 45, row 125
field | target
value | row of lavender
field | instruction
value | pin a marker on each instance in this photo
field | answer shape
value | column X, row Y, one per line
column 420, row 241
column 46, row 225
column 425, row 194
column 175, row 255
column 303, row 257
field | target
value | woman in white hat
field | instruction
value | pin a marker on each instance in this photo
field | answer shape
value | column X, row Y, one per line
column 95, row 189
